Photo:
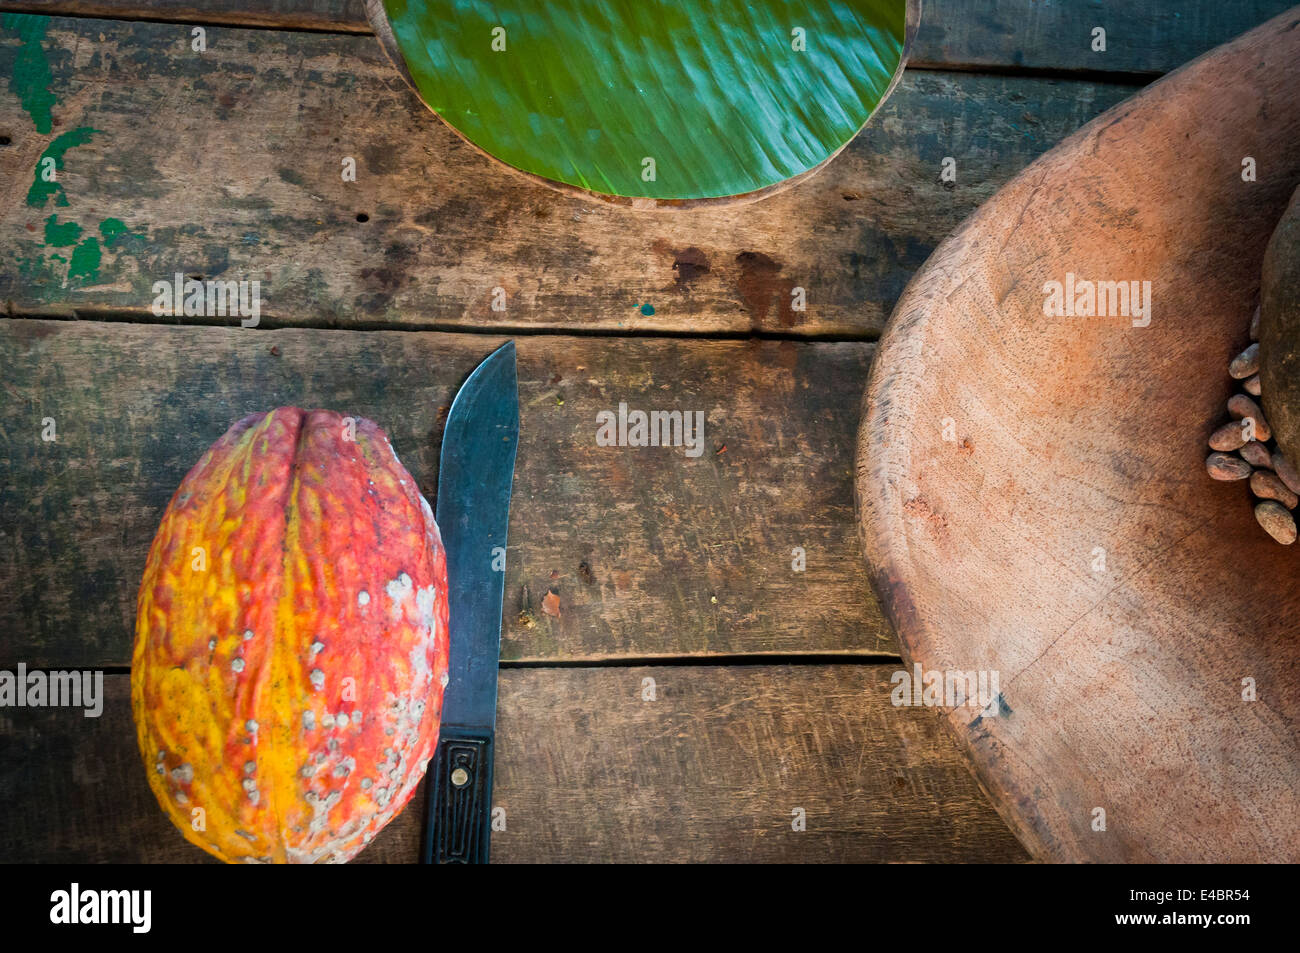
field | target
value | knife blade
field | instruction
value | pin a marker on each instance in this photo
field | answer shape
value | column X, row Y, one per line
column 475, row 474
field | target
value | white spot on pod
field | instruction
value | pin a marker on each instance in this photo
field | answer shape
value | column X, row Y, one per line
column 363, row 598
column 345, row 767
column 250, row 767
column 356, row 717
column 366, row 784
column 341, row 719
column 212, row 644
column 399, row 592
column 184, row 774
column 248, row 634
column 317, row 648
column 444, row 679
column 317, row 679
column 254, row 797
column 333, row 745
column 251, row 726
column 320, row 756
column 309, row 720
column 307, row 771
column 249, row 784
column 181, row 798
column 327, row 720
column 237, row 665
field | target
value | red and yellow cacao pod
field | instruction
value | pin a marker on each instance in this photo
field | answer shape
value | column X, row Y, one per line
column 291, row 641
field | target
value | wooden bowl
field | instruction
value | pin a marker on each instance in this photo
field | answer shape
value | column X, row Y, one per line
column 1067, row 537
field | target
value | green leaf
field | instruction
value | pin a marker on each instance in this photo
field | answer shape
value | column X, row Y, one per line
column 715, row 92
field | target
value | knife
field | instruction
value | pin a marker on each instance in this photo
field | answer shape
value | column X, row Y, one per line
column 475, row 473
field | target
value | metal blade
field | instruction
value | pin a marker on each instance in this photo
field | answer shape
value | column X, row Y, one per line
column 475, row 474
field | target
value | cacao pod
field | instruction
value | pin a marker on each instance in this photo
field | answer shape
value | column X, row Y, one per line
column 291, row 641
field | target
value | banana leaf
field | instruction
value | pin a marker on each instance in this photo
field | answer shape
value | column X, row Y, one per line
column 668, row 100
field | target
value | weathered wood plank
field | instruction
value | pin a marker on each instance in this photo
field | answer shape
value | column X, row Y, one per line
column 229, row 163
column 711, row 770
column 651, row 552
column 1147, row 36
column 345, row 16
column 1142, row 37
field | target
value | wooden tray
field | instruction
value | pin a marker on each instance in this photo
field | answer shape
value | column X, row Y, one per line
column 1068, row 537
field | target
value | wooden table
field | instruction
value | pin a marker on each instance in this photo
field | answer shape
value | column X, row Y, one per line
column 693, row 693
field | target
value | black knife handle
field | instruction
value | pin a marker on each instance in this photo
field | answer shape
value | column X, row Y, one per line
column 459, row 829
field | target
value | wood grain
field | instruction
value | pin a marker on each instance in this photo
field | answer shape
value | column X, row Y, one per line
column 709, row 771
column 1148, row 36
column 1142, row 37
column 650, row 552
column 228, row 163
column 1069, row 538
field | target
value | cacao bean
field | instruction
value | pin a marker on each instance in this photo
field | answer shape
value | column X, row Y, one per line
column 1245, row 364
column 1277, row 522
column 1267, row 485
column 1222, row 466
column 1228, row 437
column 1242, row 407
column 1252, row 386
column 1256, row 454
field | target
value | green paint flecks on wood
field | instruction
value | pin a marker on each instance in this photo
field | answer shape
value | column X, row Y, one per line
column 42, row 190
column 61, row 234
column 691, row 99
column 85, row 260
column 31, row 79
column 115, row 232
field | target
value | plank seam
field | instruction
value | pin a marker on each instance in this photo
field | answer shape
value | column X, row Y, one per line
column 108, row 316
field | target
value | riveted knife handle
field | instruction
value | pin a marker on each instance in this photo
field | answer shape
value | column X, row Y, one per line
column 460, row 798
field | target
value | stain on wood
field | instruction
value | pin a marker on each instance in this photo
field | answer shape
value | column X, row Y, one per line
column 712, row 770
column 651, row 552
